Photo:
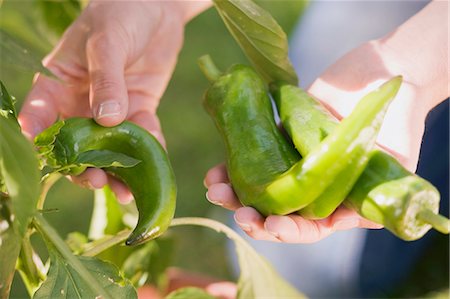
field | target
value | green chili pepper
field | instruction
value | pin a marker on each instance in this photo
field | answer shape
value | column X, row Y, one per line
column 257, row 152
column 73, row 144
column 385, row 193
column 346, row 147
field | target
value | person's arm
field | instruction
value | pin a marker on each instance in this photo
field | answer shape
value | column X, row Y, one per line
column 114, row 63
column 417, row 50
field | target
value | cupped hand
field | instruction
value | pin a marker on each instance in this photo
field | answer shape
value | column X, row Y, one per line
column 113, row 63
column 339, row 88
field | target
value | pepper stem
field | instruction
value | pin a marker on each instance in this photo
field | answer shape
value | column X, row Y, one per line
column 208, row 67
column 439, row 222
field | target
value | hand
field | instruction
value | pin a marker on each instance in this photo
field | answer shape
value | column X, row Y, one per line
column 113, row 63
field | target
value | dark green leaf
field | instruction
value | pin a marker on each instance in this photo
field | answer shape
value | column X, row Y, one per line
column 15, row 55
column 260, row 37
column 10, row 241
column 190, row 293
column 58, row 15
column 7, row 108
column 105, row 158
column 64, row 282
column 19, row 168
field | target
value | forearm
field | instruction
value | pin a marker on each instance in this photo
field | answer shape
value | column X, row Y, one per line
column 418, row 50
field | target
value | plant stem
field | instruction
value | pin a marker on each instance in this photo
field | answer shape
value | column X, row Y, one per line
column 28, row 267
column 52, row 238
column 208, row 68
column 439, row 222
column 105, row 243
column 212, row 224
column 47, row 182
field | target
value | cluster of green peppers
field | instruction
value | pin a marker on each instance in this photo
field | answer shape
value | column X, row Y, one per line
column 329, row 163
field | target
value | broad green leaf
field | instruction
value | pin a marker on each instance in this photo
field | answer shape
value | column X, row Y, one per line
column 64, row 282
column 10, row 241
column 260, row 37
column 15, row 55
column 59, row 14
column 45, row 142
column 189, row 293
column 7, row 108
column 258, row 279
column 19, row 168
column 148, row 264
column 105, row 158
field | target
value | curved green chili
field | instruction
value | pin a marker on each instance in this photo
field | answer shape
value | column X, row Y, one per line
column 71, row 145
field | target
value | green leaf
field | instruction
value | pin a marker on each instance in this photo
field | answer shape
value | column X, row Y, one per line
column 257, row 279
column 21, row 175
column 17, row 56
column 149, row 263
column 45, row 142
column 58, row 15
column 260, row 37
column 105, row 158
column 10, row 241
column 73, row 276
column 189, row 293
column 63, row 281
column 7, row 108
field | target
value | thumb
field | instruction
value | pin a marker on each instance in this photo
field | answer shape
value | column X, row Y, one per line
column 106, row 57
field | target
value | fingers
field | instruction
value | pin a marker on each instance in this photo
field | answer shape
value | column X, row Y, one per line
column 295, row 229
column 217, row 174
column 106, row 58
column 92, row 178
column 252, row 223
column 222, row 194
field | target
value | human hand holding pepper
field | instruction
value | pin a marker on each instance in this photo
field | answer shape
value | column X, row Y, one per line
column 339, row 88
column 114, row 63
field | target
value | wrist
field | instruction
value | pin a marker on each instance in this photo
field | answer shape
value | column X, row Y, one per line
column 418, row 51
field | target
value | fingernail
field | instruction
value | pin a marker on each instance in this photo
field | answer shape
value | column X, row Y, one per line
column 109, row 108
column 346, row 224
column 218, row 203
column 244, row 226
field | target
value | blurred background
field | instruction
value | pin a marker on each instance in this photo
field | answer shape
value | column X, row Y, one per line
column 192, row 140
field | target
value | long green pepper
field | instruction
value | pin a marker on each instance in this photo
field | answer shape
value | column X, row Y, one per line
column 385, row 193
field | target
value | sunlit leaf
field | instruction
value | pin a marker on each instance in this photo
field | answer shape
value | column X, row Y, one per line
column 260, row 37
